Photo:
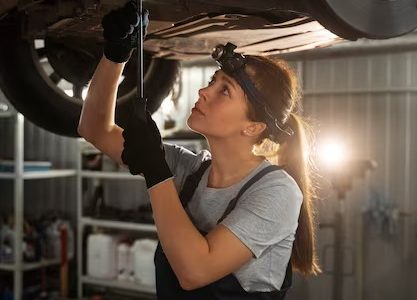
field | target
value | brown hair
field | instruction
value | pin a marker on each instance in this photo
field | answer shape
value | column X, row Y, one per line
column 277, row 83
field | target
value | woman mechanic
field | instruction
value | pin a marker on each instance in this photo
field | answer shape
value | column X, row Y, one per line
column 232, row 222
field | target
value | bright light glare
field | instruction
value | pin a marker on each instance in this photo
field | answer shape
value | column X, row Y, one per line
column 83, row 93
column 333, row 153
column 121, row 78
column 328, row 34
column 39, row 43
column 69, row 92
column 167, row 106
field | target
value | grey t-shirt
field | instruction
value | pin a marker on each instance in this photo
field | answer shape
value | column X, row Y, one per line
column 265, row 218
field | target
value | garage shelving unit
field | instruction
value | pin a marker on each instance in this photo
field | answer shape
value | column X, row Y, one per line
column 6, row 114
column 84, row 221
column 19, row 176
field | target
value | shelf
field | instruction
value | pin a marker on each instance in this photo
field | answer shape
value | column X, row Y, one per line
column 126, row 285
column 111, row 175
column 118, row 224
column 49, row 174
column 6, row 114
column 31, row 266
column 4, row 175
column 40, row 174
column 7, row 267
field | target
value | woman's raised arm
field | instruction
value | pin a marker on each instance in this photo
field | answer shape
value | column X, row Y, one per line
column 97, row 123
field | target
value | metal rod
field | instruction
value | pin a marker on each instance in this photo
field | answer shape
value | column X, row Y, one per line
column 140, row 108
column 79, row 217
column 140, row 52
column 18, row 203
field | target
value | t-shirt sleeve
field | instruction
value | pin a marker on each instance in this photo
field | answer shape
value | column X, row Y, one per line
column 183, row 162
column 266, row 215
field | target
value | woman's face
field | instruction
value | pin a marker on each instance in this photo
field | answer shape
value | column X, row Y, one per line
column 221, row 108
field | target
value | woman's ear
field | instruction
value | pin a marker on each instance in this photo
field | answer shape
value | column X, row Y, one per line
column 254, row 129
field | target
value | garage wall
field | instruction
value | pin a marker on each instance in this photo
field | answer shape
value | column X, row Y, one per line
column 370, row 102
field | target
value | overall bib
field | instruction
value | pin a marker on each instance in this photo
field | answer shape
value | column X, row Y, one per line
column 226, row 288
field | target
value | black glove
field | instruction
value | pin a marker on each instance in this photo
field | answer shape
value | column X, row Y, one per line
column 143, row 148
column 120, row 31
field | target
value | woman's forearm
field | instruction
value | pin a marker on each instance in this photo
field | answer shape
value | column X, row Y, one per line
column 97, row 115
column 184, row 246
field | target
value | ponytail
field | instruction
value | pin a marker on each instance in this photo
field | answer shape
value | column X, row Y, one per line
column 280, row 88
column 294, row 156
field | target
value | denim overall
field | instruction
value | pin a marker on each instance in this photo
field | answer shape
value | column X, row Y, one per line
column 228, row 287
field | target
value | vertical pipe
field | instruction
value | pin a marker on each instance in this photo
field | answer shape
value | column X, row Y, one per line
column 331, row 95
column 338, row 258
column 369, row 115
column 19, row 208
column 407, row 160
column 387, row 130
column 361, row 267
column 350, row 103
column 300, row 77
column 314, row 84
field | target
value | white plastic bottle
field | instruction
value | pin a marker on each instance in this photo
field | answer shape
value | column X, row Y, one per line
column 101, row 256
column 130, row 265
column 144, row 251
column 123, row 253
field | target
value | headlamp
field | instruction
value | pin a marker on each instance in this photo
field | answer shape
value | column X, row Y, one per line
column 233, row 64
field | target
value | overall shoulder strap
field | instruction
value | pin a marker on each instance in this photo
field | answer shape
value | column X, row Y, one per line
column 251, row 181
column 191, row 182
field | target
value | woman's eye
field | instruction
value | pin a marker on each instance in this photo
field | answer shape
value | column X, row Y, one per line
column 225, row 91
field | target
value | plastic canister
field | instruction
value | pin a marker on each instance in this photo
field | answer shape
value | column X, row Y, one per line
column 53, row 240
column 130, row 265
column 123, row 259
column 143, row 258
column 6, row 244
column 101, row 256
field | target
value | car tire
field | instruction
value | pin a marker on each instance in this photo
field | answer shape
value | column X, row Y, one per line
column 37, row 97
column 370, row 19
